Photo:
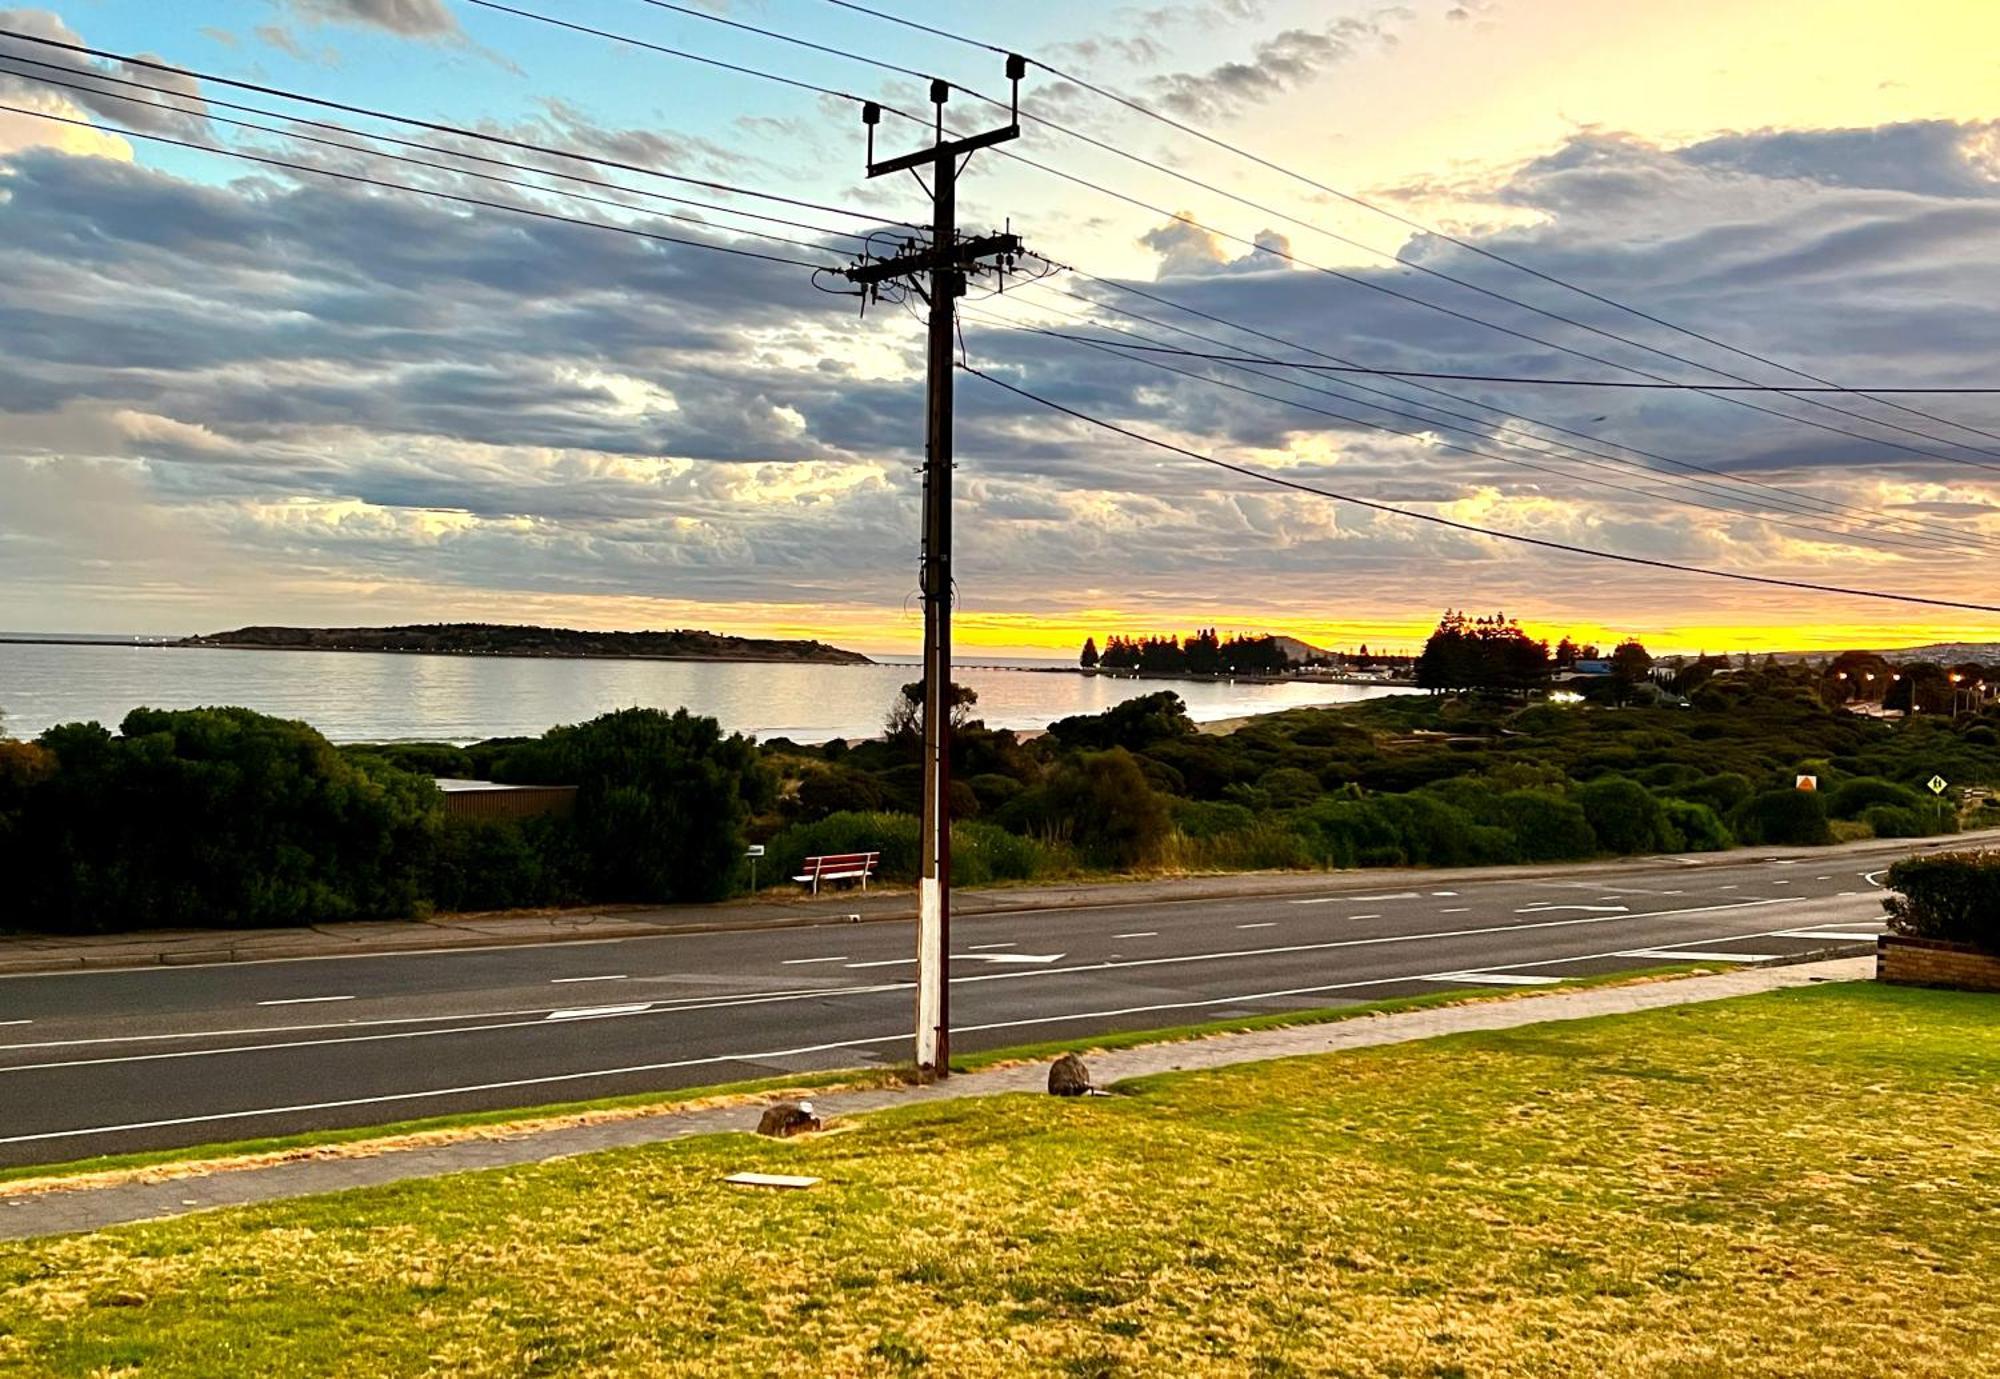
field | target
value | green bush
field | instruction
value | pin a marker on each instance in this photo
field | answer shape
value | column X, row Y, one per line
column 1921, row 819
column 1101, row 803
column 1626, row 816
column 1288, row 787
column 1210, row 818
column 1850, row 799
column 1265, row 845
column 980, row 853
column 1698, row 828
column 1547, row 827
column 1783, row 816
column 1721, row 792
column 1953, row 896
column 837, row 790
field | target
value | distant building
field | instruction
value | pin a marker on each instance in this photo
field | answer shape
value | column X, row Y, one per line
column 486, row 799
column 1591, row 668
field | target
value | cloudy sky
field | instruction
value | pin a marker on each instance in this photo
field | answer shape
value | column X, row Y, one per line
column 234, row 392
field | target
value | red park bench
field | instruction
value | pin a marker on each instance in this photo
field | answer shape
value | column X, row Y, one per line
column 838, row 867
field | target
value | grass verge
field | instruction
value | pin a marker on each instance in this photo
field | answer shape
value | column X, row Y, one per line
column 1800, row 1183
column 250, row 1153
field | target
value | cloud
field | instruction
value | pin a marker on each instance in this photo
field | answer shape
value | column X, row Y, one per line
column 28, row 72
column 1283, row 62
column 1187, row 250
column 411, row 18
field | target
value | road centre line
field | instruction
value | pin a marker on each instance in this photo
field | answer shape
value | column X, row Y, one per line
column 304, row 1000
column 1262, row 924
column 807, row 962
column 898, row 1037
column 607, row 977
column 1353, row 917
column 1141, row 933
column 663, row 1008
column 1456, row 910
column 598, row 1012
column 982, row 947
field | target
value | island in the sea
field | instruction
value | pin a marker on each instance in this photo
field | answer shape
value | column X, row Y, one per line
column 506, row 639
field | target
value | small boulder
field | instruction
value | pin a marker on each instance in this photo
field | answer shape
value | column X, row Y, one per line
column 1069, row 1077
column 787, row 1118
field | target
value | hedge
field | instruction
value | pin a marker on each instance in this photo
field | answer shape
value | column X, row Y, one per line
column 1953, row 896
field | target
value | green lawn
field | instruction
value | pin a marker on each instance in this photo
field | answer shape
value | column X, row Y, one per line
column 1806, row 1183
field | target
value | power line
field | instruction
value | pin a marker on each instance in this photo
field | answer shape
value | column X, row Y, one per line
column 1468, row 527
column 436, row 166
column 416, row 191
column 457, row 131
column 1791, row 497
column 1412, row 223
column 1311, row 367
column 208, row 101
column 1282, row 253
column 1819, row 533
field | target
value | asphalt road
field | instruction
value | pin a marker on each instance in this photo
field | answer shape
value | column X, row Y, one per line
column 106, row 1062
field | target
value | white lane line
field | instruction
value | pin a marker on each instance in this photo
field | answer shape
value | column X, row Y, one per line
column 509, row 1085
column 1543, row 909
column 1449, row 895
column 695, row 1004
column 1265, row 924
column 1854, row 935
column 882, row 962
column 1731, row 887
column 598, row 1012
column 305, row 1000
column 1140, row 933
column 1043, row 958
column 807, row 962
column 899, row 1036
column 1399, row 895
column 16, row 1022
column 1364, row 916
column 1687, row 955
column 982, row 947
column 607, row 977
column 1494, row 979
column 1457, row 910
column 1781, row 883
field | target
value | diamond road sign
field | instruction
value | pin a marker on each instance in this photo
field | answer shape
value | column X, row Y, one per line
column 1937, row 784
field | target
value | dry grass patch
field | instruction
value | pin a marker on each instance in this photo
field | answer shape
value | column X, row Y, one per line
column 1795, row 1184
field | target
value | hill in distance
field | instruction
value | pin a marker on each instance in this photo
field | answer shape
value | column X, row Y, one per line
column 506, row 639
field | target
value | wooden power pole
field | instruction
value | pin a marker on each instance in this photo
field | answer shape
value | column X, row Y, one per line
column 945, row 262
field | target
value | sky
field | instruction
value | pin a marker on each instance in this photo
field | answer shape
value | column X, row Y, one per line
column 238, row 393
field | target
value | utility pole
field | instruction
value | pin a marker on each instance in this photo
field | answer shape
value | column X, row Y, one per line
column 947, row 262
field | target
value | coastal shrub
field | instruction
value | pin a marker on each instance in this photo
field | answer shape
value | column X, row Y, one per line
column 214, row 818
column 1349, row 833
column 1135, row 725
column 1209, row 818
column 662, row 802
column 1626, row 817
column 1721, row 792
column 1921, row 819
column 1953, row 896
column 980, row 853
column 1102, row 804
column 1783, row 816
column 1288, row 787
column 1547, row 827
column 1264, row 845
column 501, row 864
column 993, row 790
column 837, row 790
column 1850, row 799
column 1696, row 827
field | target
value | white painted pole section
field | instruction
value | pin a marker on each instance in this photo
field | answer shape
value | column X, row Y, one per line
column 930, row 969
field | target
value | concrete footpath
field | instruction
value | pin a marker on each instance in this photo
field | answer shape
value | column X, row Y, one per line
column 21, row 953
column 27, row 1211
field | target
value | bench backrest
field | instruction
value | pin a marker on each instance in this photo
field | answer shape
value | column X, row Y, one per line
column 841, row 861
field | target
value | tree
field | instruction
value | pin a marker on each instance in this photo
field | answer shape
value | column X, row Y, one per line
column 905, row 724
column 1488, row 653
column 1566, row 654
column 1090, row 657
column 1631, row 664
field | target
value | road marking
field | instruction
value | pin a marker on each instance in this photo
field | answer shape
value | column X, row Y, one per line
column 881, row 962
column 1399, row 895
column 1731, row 887
column 1041, row 958
column 597, row 1012
column 1457, row 910
column 1494, row 979
column 1781, row 883
column 694, row 1004
column 1869, row 877
column 1856, row 936
column 16, row 1022
column 1542, row 909
column 1265, row 924
column 607, row 977
column 1687, row 955
column 1449, row 895
column 898, row 1037
column 305, row 1000
column 1141, row 933
column 804, row 962
column 979, row 947
column 1364, row 916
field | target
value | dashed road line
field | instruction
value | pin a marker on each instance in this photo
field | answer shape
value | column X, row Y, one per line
column 304, row 1000
column 1265, row 924
column 598, row 1012
column 807, row 962
column 606, row 977
column 1140, row 933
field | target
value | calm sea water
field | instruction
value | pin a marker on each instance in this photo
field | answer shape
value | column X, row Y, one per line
column 370, row 697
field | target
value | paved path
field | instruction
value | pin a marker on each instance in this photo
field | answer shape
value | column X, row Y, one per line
column 28, row 1215
column 117, row 1061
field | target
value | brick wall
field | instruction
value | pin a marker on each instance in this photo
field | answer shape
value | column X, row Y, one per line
column 1929, row 962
